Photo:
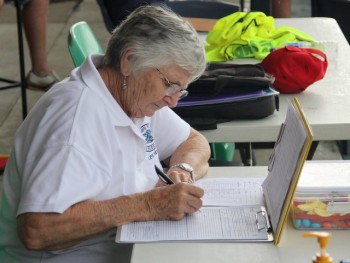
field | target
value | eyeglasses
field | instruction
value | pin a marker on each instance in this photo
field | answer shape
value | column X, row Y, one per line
column 172, row 88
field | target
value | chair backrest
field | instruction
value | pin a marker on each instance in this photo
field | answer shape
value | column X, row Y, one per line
column 264, row 6
column 105, row 15
column 203, row 9
column 82, row 42
column 208, row 9
column 337, row 9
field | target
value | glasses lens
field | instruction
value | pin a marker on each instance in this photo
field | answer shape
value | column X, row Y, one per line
column 182, row 94
column 172, row 89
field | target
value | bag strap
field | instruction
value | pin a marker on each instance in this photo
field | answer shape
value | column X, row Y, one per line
column 318, row 52
column 322, row 55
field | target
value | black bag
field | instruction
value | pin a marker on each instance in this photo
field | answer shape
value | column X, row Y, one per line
column 225, row 78
column 226, row 92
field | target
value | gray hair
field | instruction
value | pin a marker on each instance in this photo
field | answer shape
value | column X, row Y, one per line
column 159, row 37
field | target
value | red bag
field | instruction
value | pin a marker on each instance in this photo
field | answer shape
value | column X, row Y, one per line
column 295, row 68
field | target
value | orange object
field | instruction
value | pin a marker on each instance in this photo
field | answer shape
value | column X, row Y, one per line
column 202, row 24
column 323, row 239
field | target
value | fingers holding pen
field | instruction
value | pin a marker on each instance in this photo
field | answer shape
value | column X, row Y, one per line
column 180, row 176
column 174, row 201
column 193, row 201
column 172, row 177
column 187, row 198
column 176, row 178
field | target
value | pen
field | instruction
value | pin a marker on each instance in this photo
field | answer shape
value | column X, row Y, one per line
column 163, row 176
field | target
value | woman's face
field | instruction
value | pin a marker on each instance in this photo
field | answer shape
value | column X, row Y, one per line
column 152, row 89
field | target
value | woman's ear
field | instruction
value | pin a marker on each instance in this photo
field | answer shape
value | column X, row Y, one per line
column 125, row 66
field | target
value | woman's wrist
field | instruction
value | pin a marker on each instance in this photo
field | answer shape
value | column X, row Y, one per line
column 187, row 168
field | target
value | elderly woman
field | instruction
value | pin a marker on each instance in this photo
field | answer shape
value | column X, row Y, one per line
column 83, row 161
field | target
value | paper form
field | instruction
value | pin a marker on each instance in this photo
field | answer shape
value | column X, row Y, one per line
column 226, row 223
column 230, row 207
column 231, row 191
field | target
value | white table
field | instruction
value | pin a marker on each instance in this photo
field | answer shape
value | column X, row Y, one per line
column 326, row 103
column 292, row 248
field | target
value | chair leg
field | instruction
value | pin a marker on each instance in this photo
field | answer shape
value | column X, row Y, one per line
column 12, row 83
column 22, row 83
column 242, row 5
column 21, row 59
column 247, row 154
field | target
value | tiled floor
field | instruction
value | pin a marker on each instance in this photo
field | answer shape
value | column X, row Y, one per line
column 62, row 15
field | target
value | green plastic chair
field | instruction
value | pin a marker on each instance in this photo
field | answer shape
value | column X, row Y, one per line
column 222, row 151
column 82, row 41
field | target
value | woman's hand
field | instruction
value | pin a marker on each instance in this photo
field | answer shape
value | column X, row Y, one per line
column 177, row 176
column 174, row 201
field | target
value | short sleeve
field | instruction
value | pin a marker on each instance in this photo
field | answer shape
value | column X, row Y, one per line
column 169, row 131
column 60, row 178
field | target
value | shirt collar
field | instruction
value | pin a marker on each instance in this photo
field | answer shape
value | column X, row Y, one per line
column 93, row 81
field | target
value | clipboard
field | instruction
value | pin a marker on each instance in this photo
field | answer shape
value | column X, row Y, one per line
column 254, row 221
column 281, row 183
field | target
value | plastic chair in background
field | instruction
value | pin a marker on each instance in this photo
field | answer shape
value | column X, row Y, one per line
column 264, row 6
column 81, row 42
column 202, row 14
column 105, row 15
column 203, row 9
column 189, row 8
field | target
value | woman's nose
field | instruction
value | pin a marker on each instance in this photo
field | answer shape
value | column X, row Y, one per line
column 171, row 101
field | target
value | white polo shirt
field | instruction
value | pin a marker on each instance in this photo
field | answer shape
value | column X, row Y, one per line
column 77, row 144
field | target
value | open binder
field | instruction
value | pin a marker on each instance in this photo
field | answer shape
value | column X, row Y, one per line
column 240, row 209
